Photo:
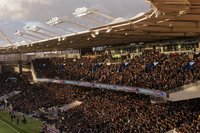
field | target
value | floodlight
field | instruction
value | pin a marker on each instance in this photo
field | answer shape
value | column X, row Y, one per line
column 109, row 29
column 54, row 21
column 59, row 39
column 96, row 32
column 157, row 13
column 63, row 38
column 33, row 28
column 83, row 11
column 18, row 33
column 183, row 12
column 36, row 29
column 93, row 35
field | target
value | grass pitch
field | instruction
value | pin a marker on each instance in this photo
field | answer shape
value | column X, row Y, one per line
column 4, row 128
column 8, row 126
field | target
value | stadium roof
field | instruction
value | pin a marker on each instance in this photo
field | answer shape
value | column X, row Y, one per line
column 168, row 19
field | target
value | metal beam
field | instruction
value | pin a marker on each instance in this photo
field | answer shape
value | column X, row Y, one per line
column 5, row 38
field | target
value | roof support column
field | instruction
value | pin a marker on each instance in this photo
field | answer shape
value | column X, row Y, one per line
column 198, row 47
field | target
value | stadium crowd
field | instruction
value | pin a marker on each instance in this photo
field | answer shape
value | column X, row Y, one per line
column 150, row 70
column 106, row 111
column 12, row 82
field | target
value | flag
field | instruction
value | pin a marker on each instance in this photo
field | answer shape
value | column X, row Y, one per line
column 98, row 65
column 81, row 64
column 123, row 66
column 188, row 66
column 150, row 66
column 192, row 63
column 155, row 63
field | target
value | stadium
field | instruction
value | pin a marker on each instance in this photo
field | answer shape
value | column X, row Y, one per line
column 97, row 73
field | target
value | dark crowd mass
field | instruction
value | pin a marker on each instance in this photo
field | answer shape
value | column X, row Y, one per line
column 101, row 111
column 152, row 70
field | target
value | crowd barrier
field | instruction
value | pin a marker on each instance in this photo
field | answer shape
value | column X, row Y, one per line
column 156, row 93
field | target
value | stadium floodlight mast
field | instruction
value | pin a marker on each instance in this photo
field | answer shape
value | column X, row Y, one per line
column 36, row 29
column 54, row 21
column 94, row 20
column 48, row 31
column 20, row 34
column 27, row 35
column 84, row 12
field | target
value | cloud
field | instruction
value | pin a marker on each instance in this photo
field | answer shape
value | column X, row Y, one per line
column 33, row 9
column 19, row 9
column 18, row 14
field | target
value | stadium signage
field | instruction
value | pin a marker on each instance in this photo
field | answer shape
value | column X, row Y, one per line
column 70, row 82
column 152, row 92
column 155, row 93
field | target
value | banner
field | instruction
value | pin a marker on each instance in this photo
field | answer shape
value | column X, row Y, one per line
column 70, row 82
column 156, row 93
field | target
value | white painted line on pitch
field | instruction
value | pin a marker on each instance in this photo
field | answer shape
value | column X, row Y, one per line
column 9, row 126
column 1, row 123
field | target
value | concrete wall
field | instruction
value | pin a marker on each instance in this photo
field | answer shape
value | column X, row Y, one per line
column 189, row 93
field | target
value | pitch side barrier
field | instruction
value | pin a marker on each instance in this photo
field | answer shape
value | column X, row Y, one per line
column 156, row 93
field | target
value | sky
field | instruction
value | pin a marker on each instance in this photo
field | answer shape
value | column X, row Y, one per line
column 20, row 14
